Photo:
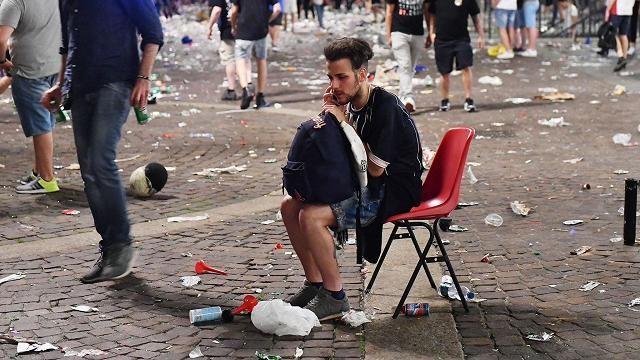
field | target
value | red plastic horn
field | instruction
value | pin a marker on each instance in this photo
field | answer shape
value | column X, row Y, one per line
column 203, row 268
column 248, row 304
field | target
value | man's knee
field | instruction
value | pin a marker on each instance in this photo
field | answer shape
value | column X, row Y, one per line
column 316, row 216
column 289, row 208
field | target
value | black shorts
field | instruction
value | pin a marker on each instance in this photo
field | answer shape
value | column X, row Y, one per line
column 621, row 23
column 277, row 21
column 448, row 51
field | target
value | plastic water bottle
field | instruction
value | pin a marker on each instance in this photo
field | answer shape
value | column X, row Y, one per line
column 201, row 316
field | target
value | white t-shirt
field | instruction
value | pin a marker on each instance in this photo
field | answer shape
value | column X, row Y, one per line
column 623, row 7
column 508, row 5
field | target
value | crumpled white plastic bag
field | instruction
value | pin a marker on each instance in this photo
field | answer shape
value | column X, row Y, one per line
column 280, row 318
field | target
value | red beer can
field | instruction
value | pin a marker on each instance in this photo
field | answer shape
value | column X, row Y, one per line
column 416, row 310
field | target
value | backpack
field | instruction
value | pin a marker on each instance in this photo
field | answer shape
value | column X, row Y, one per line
column 319, row 164
column 607, row 36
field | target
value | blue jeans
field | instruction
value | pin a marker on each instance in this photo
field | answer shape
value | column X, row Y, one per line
column 505, row 18
column 320, row 13
column 98, row 118
column 34, row 118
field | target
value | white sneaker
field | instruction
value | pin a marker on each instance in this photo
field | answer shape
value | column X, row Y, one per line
column 529, row 53
column 506, row 55
column 632, row 51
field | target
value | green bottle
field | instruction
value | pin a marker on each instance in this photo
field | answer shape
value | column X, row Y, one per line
column 61, row 115
column 142, row 115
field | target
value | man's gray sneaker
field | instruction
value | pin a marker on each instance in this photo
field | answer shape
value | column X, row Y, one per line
column 326, row 306
column 28, row 178
column 304, row 295
column 115, row 262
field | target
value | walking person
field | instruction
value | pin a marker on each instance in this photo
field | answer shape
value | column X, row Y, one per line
column 619, row 13
column 633, row 29
column 250, row 23
column 102, row 78
column 529, row 26
column 34, row 29
column 505, row 12
column 451, row 43
column 405, row 36
column 318, row 5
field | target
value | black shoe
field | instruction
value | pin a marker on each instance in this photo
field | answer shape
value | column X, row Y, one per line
column 246, row 99
column 622, row 63
column 469, row 106
column 261, row 102
column 229, row 95
column 115, row 262
column 445, row 105
column 306, row 293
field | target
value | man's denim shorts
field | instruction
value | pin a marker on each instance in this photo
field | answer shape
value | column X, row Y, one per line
column 505, row 18
column 526, row 17
column 345, row 211
column 35, row 118
column 246, row 48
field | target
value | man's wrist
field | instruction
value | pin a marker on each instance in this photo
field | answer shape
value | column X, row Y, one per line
column 143, row 77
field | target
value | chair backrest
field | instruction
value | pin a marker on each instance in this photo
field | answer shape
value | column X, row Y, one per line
column 442, row 185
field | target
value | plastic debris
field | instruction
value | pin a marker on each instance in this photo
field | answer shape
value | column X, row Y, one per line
column 298, row 353
column 187, row 254
column 581, row 250
column 202, row 268
column 541, row 337
column 355, row 318
column 619, row 90
column 621, row 172
column 554, row 122
column 83, row 353
column 449, row 291
column 590, row 286
column 493, row 220
column 263, row 356
column 280, row 318
column 267, row 222
column 517, row 100
column 195, row 353
column 615, row 239
column 202, row 136
column 486, row 259
column 634, row 302
column 622, row 139
column 189, row 281
column 233, row 169
column 556, row 96
column 472, row 178
column 547, row 90
column 573, row 222
column 278, row 246
column 573, row 161
column 73, row 167
column 520, row 208
column 84, row 308
column 71, row 212
column 188, row 218
column 270, row 161
column 12, row 277
column 25, row 347
column 457, row 228
column 470, row 203
column 490, row 80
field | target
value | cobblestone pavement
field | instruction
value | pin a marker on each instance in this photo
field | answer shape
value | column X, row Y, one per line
column 531, row 286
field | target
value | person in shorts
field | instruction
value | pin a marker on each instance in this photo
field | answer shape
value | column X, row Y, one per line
column 394, row 185
column 34, row 30
column 527, row 23
column 226, row 50
column 451, row 41
column 250, row 25
column 275, row 26
column 289, row 7
column 505, row 14
column 619, row 14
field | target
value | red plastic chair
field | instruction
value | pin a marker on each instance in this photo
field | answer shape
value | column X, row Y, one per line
column 440, row 194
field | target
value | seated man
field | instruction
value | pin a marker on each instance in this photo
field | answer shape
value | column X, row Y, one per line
column 394, row 169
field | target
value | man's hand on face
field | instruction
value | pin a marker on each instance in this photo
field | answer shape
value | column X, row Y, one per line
column 330, row 105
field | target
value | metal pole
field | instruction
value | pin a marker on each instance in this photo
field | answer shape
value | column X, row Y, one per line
column 630, row 207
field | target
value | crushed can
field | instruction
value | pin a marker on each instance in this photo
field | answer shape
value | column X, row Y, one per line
column 416, row 310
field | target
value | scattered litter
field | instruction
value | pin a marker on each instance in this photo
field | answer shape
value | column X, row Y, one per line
column 128, row 159
column 590, row 286
column 270, row 161
column 83, row 353
column 202, row 136
column 189, row 281
column 268, row 267
column 24, row 347
column 84, row 308
column 187, row 254
column 465, row 204
column 298, row 353
column 556, row 96
column 355, row 318
column 581, row 250
column 12, row 277
column 493, row 220
column 517, row 100
column 267, row 222
column 182, row 124
column 457, row 228
column 622, row 139
column 71, row 212
column 520, row 208
column 573, row 161
column 490, row 80
column 449, row 291
column 472, row 178
column 280, row 318
column 619, row 90
column 188, row 218
column 615, row 239
column 547, row 90
column 195, row 353
column 263, row 356
column 542, row 337
column 73, row 167
column 573, row 222
column 621, row 172
column 486, row 259
column 594, row 102
column 201, row 267
column 633, row 303
column 554, row 122
column 278, row 246
column 497, row 124
column 233, row 169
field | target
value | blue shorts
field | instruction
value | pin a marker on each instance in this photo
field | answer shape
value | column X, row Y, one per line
column 526, row 17
column 345, row 210
column 622, row 23
column 505, row 18
column 35, row 118
column 246, row 48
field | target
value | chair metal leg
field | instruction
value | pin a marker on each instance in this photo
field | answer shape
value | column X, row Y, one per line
column 381, row 260
column 449, row 267
column 417, row 246
column 421, row 261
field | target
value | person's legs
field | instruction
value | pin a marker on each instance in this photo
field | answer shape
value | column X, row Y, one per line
column 226, row 51
column 623, row 45
column 633, row 28
column 320, row 12
column 43, row 147
column 243, row 50
column 401, row 46
column 444, row 86
column 5, row 82
column 262, row 75
column 260, row 47
column 467, row 80
column 530, row 14
column 290, row 210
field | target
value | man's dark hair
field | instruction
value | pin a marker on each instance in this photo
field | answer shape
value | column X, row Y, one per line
column 356, row 50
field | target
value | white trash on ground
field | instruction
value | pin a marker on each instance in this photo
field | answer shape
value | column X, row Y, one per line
column 12, row 277
column 188, row 218
column 493, row 220
column 189, row 281
column 280, row 318
column 622, row 139
column 490, row 80
column 355, row 318
column 542, row 337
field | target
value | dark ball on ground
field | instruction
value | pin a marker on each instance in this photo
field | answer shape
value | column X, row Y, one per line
column 157, row 175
